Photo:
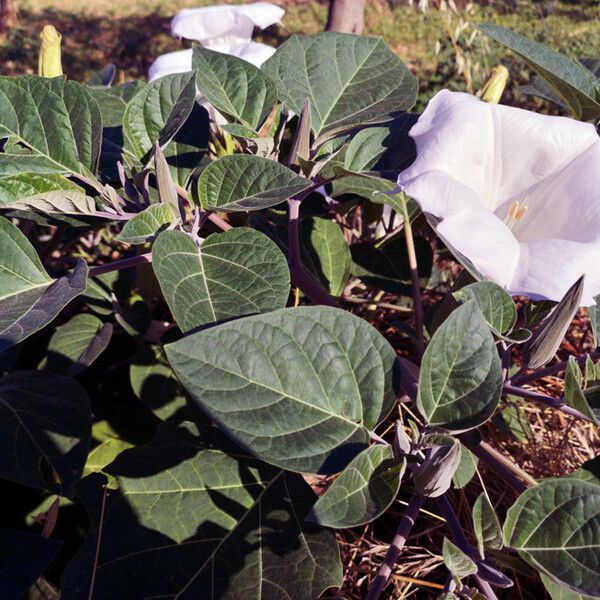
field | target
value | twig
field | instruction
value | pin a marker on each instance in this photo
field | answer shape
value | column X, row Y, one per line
column 414, row 277
column 546, row 400
column 406, row 524
column 511, row 473
column 124, row 263
column 98, row 542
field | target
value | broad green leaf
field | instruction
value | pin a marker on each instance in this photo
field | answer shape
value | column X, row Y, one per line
column 326, row 253
column 24, row 556
column 363, row 491
column 77, row 344
column 361, row 82
column 456, row 561
column 243, row 182
column 53, row 126
column 157, row 112
column 234, row 273
column 386, row 267
column 145, row 226
column 155, row 384
column 66, row 202
column 112, row 101
column 555, row 527
column 221, row 524
column 548, row 337
column 558, row 592
column 486, row 526
column 576, row 85
column 45, row 425
column 314, row 417
column 236, row 88
column 461, row 376
column 29, row 298
column 466, row 469
column 104, row 454
column 365, row 186
column 514, row 418
column 385, row 150
column 589, row 471
column 16, row 191
column 496, row 305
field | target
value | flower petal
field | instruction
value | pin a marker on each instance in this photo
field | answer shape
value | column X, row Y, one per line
column 234, row 21
column 172, row 62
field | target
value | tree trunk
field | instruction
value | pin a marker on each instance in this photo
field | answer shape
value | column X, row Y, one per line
column 346, row 16
column 7, row 15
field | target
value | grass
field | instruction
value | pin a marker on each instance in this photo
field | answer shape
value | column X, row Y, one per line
column 132, row 34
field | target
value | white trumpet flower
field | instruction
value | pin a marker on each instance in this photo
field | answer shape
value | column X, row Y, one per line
column 515, row 192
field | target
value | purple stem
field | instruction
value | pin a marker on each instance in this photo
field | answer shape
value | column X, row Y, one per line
column 124, row 263
column 543, row 399
column 406, row 524
column 300, row 277
column 552, row 369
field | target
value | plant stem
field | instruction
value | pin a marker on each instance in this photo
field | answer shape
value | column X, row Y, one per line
column 124, row 263
column 511, row 473
column 546, row 400
column 222, row 223
column 300, row 277
column 414, row 277
column 552, row 369
column 406, row 524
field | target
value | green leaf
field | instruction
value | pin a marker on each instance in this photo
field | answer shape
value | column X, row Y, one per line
column 386, row 267
column 456, row 561
column 236, row 88
column 63, row 202
column 461, row 376
column 104, row 454
column 589, row 471
column 24, row 190
column 243, row 182
column 385, row 150
column 155, row 384
column 558, row 592
column 555, row 527
column 54, row 126
column 363, row 491
column 361, row 82
column 325, row 253
column 29, row 298
column 45, row 426
column 515, row 420
column 548, row 337
column 145, row 226
column 221, row 524
column 496, row 305
column 157, row 112
column 234, row 273
column 574, row 394
column 77, row 344
column 433, row 476
column 314, row 417
column 576, row 85
column 594, row 312
column 466, row 469
column 486, row 526
column 24, row 556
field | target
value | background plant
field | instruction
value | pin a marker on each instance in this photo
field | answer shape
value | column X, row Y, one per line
column 243, row 380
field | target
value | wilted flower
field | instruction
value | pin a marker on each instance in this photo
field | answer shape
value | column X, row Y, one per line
column 516, row 193
column 226, row 28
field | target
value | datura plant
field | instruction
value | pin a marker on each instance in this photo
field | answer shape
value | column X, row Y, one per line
column 280, row 335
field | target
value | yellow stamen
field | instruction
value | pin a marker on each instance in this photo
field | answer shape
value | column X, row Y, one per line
column 516, row 211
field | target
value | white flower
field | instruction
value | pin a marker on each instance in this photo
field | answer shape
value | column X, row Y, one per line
column 226, row 28
column 515, row 192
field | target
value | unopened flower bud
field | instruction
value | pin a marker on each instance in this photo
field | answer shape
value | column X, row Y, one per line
column 494, row 87
column 50, row 64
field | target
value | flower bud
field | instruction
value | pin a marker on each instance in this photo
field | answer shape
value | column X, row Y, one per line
column 493, row 88
column 50, row 64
